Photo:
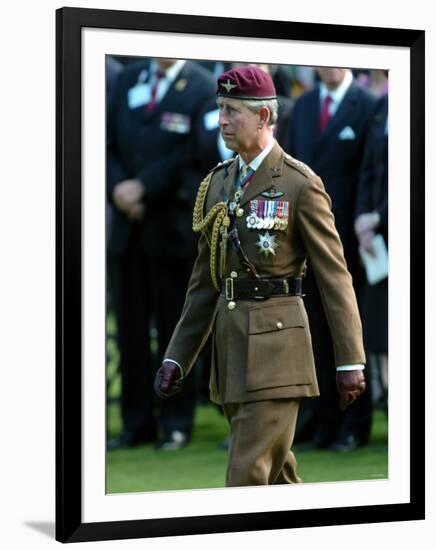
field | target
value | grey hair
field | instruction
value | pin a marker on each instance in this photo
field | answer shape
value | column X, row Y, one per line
column 255, row 105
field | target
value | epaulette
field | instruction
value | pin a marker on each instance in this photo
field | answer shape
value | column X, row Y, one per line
column 222, row 164
column 298, row 165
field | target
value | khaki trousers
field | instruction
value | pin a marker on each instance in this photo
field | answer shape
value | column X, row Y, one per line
column 261, row 435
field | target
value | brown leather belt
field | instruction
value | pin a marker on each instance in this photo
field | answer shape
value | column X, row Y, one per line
column 260, row 289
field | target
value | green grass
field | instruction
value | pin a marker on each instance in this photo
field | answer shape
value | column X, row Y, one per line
column 203, row 465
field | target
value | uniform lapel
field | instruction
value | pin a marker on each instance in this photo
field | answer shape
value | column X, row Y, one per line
column 230, row 176
column 262, row 179
column 313, row 113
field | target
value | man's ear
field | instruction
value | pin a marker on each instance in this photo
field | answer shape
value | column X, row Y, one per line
column 264, row 116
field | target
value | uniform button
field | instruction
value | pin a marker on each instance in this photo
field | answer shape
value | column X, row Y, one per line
column 279, row 325
column 233, row 274
column 239, row 212
column 231, row 306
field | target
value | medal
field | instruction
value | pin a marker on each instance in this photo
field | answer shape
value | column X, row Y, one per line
column 259, row 224
column 271, row 214
column 232, row 206
column 276, row 223
column 267, row 244
column 251, row 221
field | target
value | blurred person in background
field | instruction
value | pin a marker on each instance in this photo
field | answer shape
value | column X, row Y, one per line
column 113, row 70
column 152, row 182
column 328, row 129
column 372, row 220
column 373, row 80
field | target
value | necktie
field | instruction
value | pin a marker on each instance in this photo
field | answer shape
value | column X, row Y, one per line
column 325, row 113
column 245, row 176
column 152, row 103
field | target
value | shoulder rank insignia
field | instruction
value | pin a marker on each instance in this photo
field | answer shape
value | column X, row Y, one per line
column 222, row 164
column 298, row 165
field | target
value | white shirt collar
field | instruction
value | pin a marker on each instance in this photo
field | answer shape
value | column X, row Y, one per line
column 338, row 94
column 257, row 161
column 172, row 72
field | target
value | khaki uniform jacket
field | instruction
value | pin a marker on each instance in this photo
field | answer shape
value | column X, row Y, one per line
column 253, row 359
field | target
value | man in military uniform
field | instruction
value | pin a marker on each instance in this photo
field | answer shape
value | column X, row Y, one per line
column 261, row 216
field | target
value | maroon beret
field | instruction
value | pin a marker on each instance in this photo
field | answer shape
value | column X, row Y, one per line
column 246, row 82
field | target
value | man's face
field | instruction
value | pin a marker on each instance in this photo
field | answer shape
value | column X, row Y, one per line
column 165, row 63
column 239, row 126
column 331, row 76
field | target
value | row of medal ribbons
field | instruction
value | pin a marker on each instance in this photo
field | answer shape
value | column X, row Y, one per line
column 268, row 215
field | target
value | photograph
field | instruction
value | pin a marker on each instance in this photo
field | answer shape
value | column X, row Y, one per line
column 173, row 139
column 231, row 274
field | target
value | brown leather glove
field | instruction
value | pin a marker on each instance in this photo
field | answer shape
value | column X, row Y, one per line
column 168, row 380
column 350, row 385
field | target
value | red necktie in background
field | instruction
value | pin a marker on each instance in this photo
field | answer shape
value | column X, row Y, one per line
column 325, row 113
column 152, row 104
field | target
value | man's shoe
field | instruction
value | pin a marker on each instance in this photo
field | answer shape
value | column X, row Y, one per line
column 127, row 441
column 346, row 444
column 174, row 441
column 315, row 444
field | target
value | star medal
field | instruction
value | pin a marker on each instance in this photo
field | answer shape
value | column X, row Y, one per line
column 267, row 244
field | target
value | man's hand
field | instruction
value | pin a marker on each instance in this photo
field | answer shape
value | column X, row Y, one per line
column 366, row 222
column 127, row 197
column 136, row 212
column 366, row 241
column 350, row 385
column 168, row 380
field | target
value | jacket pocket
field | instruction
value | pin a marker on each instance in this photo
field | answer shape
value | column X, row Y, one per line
column 278, row 353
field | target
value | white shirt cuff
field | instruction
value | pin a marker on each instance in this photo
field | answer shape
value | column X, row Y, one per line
column 350, row 367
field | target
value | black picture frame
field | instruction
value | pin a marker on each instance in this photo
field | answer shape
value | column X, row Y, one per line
column 69, row 23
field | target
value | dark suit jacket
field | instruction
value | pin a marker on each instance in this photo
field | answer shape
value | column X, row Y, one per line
column 372, row 190
column 335, row 160
column 156, row 148
column 263, row 348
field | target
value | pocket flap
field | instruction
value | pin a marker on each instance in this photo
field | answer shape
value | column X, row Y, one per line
column 275, row 318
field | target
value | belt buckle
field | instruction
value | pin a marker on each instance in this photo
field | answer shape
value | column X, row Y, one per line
column 229, row 288
column 285, row 286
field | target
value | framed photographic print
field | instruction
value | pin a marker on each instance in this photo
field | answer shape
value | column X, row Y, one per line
column 113, row 483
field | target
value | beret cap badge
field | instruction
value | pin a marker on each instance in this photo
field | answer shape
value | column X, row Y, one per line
column 228, row 85
column 246, row 82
